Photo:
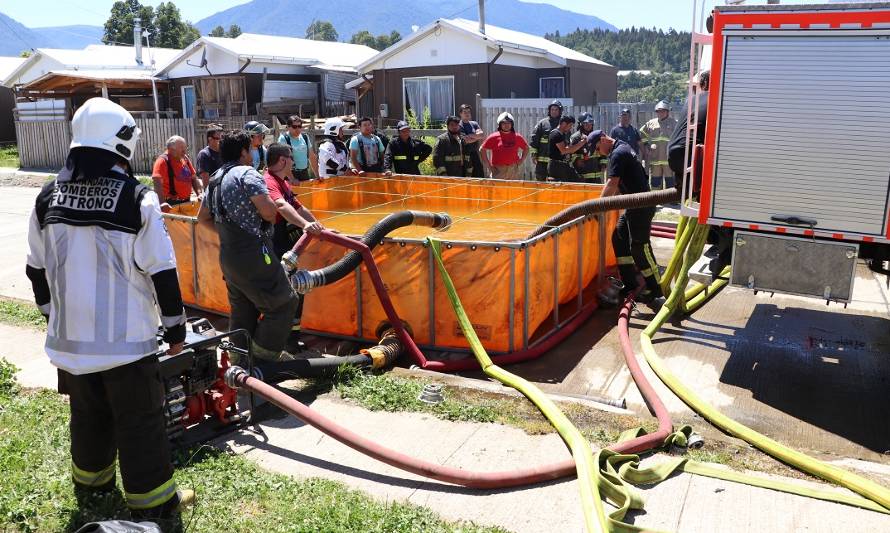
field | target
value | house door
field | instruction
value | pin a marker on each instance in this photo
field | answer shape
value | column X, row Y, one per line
column 188, row 101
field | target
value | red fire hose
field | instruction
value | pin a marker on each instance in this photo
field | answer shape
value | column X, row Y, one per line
column 237, row 377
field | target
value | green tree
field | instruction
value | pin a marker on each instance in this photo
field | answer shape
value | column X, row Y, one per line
column 25, row 53
column 164, row 25
column 378, row 43
column 172, row 31
column 234, row 31
column 631, row 49
column 119, row 26
column 321, row 30
column 217, row 32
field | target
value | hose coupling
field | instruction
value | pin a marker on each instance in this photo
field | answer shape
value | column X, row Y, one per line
column 440, row 221
column 289, row 261
column 235, row 376
column 695, row 441
column 303, row 281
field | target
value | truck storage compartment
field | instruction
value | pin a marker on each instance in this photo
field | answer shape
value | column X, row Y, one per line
column 796, row 265
column 804, row 122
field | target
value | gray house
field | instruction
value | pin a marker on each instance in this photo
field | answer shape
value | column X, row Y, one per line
column 449, row 61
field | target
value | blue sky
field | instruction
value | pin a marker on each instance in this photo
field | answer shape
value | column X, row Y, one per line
column 622, row 13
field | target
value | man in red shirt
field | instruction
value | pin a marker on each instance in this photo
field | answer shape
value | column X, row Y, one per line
column 174, row 176
column 505, row 151
column 290, row 210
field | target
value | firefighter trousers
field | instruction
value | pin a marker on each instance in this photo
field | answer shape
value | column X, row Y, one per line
column 119, row 413
column 630, row 240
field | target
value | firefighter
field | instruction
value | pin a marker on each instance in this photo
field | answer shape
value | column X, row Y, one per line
column 540, row 150
column 656, row 134
column 450, row 156
column 101, row 266
column 404, row 153
column 630, row 240
column 562, row 151
column 588, row 164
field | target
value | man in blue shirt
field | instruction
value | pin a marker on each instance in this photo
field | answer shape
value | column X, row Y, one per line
column 301, row 146
column 473, row 137
column 625, row 131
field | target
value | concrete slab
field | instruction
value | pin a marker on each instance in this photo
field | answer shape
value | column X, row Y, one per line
column 16, row 204
column 24, row 348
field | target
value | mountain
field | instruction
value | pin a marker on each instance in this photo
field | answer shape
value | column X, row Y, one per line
column 15, row 37
column 292, row 17
column 77, row 36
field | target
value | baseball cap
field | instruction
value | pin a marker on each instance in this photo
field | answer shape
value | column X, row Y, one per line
column 594, row 137
column 625, row 111
column 402, row 125
column 452, row 118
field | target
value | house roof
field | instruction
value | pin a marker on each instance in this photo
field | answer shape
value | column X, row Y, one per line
column 8, row 65
column 97, row 57
column 74, row 80
column 325, row 55
column 496, row 36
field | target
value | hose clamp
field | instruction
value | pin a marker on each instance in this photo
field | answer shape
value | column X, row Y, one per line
column 303, row 281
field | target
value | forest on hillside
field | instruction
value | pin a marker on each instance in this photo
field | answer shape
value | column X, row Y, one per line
column 631, row 49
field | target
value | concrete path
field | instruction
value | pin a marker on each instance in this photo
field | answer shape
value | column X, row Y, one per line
column 686, row 503
column 16, row 204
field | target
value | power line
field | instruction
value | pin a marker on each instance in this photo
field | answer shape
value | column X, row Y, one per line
column 12, row 29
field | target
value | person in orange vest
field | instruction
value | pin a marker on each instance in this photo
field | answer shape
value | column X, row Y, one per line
column 174, row 175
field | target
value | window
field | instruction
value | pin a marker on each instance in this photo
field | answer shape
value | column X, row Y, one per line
column 433, row 93
column 553, row 87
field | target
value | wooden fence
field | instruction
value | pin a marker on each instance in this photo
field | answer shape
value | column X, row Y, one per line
column 44, row 144
column 525, row 118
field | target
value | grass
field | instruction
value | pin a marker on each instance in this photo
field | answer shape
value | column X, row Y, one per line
column 9, row 156
column 22, row 314
column 233, row 493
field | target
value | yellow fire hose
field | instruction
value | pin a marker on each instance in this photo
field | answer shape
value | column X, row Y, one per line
column 690, row 253
column 592, row 505
column 609, row 472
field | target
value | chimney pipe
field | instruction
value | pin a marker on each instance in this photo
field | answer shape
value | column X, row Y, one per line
column 137, row 39
column 482, row 17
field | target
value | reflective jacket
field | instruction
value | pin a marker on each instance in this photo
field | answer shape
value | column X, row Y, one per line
column 102, row 265
column 539, row 146
column 404, row 157
column 451, row 157
column 657, row 132
column 590, row 165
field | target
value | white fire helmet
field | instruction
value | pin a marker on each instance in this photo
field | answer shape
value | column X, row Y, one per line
column 100, row 123
column 505, row 116
column 332, row 126
column 662, row 105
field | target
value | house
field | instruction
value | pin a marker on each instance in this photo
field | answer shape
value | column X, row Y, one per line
column 52, row 82
column 450, row 61
column 260, row 74
column 7, row 100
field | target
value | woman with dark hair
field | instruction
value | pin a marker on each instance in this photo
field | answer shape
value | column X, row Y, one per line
column 505, row 151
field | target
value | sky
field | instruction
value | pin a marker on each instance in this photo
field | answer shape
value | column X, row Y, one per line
column 662, row 14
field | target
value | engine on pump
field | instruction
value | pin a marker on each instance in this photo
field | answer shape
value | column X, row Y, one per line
column 195, row 393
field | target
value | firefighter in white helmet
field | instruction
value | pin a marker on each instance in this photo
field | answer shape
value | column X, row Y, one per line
column 101, row 266
column 333, row 156
column 656, row 134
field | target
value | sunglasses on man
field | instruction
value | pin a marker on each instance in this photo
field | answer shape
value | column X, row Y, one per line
column 296, row 126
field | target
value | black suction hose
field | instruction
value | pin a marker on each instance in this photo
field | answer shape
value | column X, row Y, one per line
column 275, row 372
column 608, row 203
column 304, row 281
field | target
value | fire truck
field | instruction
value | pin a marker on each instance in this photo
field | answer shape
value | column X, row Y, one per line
column 795, row 164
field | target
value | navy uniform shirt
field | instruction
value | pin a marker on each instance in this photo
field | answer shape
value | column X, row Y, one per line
column 623, row 163
column 628, row 134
